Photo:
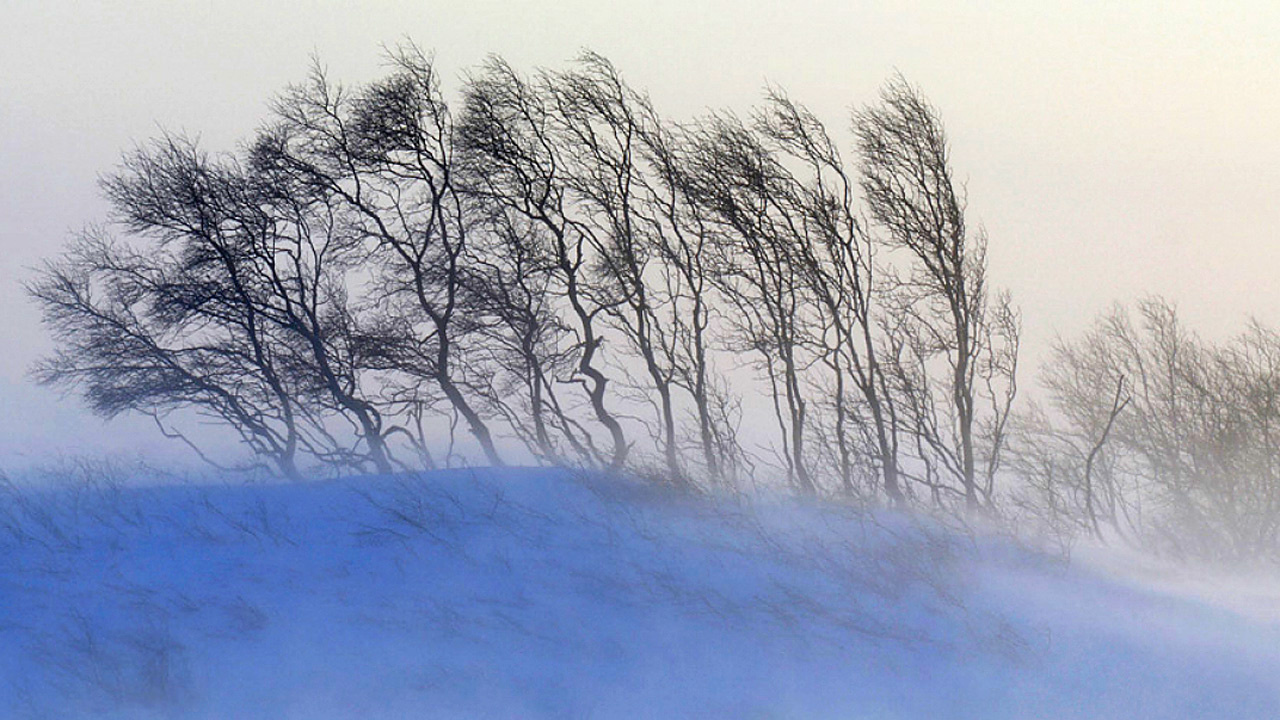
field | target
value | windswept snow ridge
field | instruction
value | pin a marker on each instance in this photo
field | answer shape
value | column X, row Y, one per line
column 549, row 594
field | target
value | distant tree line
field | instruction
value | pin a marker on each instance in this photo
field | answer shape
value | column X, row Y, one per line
column 546, row 270
column 1158, row 437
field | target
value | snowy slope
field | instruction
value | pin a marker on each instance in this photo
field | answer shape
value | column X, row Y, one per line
column 539, row 593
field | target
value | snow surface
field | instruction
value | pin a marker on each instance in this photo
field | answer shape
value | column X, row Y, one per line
column 549, row 594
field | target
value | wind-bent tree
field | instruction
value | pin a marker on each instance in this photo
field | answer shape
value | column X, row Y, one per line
column 944, row 314
column 384, row 155
column 596, row 184
column 627, row 169
column 685, row 263
column 601, row 126
column 230, row 301
column 518, row 139
column 523, row 341
column 835, row 259
column 305, row 256
column 125, row 351
column 751, row 205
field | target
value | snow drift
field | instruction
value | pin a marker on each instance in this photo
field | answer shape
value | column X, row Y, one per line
column 550, row 594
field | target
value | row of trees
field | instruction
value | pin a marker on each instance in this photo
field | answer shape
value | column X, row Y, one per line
column 554, row 268
column 547, row 270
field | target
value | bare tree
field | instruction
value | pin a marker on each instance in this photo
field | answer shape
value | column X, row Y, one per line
column 597, row 187
column 946, row 316
column 682, row 237
column 514, row 132
column 836, row 262
column 752, row 206
column 384, row 156
column 524, row 341
column 227, row 308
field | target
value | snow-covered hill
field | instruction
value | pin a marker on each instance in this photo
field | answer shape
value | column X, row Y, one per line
column 545, row 594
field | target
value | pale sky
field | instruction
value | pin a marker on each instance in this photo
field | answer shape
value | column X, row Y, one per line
column 1111, row 149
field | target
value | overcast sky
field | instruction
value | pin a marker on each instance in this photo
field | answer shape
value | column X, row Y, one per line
column 1111, row 149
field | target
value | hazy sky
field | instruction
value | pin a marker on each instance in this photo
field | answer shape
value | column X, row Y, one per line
column 1110, row 148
